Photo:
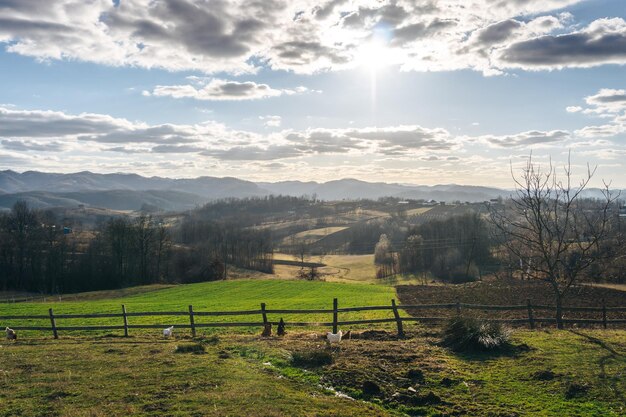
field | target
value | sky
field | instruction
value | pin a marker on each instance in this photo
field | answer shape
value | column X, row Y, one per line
column 407, row 91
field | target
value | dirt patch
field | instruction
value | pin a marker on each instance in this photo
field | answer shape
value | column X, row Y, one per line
column 374, row 335
column 513, row 292
column 376, row 366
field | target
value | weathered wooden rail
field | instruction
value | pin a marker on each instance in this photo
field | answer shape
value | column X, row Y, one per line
column 397, row 318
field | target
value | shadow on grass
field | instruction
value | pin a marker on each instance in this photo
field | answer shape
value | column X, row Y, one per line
column 603, row 361
column 509, row 351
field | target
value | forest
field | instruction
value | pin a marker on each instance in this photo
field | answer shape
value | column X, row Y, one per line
column 52, row 252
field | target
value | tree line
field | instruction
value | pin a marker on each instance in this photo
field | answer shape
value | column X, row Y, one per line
column 455, row 249
column 39, row 254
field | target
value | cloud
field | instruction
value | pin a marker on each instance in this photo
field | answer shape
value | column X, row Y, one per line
column 602, row 131
column 271, row 121
column 254, row 153
column 411, row 32
column 307, row 36
column 51, row 124
column 170, row 34
column 87, row 127
column 607, row 103
column 523, row 139
column 9, row 159
column 222, row 90
column 177, row 149
column 220, row 142
column 602, row 42
column 607, row 100
column 127, row 150
column 25, row 146
column 405, row 137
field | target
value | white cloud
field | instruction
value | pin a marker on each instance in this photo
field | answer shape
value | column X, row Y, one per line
column 607, row 100
column 601, row 131
column 271, row 121
column 525, row 139
column 222, row 90
column 33, row 138
column 305, row 36
column 607, row 103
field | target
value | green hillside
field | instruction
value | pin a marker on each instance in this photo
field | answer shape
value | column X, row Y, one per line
column 217, row 296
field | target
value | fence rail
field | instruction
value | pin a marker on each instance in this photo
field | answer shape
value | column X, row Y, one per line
column 394, row 308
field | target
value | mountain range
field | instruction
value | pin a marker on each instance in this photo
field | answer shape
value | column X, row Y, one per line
column 132, row 191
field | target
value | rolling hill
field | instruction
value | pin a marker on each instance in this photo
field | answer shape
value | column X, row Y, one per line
column 131, row 191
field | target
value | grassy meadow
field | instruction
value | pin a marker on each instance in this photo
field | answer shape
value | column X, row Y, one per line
column 234, row 371
column 546, row 373
column 215, row 296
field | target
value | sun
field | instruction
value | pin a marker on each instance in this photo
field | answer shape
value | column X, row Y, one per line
column 373, row 56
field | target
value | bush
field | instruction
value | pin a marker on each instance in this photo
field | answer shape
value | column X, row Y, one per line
column 311, row 358
column 468, row 334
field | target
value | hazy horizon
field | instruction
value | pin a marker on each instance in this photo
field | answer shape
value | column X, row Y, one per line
column 406, row 92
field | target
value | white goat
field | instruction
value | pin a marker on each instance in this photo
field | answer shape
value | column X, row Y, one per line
column 168, row 332
column 334, row 337
column 11, row 335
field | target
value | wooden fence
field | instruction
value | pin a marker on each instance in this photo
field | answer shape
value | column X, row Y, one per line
column 263, row 312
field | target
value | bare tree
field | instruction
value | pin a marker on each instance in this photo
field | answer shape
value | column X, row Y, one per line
column 300, row 250
column 384, row 258
column 556, row 234
column 163, row 247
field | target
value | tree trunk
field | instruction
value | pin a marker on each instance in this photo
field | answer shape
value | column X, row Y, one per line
column 559, row 310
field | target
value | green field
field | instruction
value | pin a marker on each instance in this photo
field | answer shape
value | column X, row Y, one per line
column 248, row 375
column 545, row 373
column 216, row 296
column 131, row 377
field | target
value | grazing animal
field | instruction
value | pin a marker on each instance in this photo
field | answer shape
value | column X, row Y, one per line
column 11, row 335
column 267, row 330
column 168, row 332
column 334, row 337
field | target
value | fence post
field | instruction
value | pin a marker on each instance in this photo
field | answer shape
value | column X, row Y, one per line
column 53, row 323
column 458, row 307
column 603, row 313
column 192, row 322
column 531, row 318
column 335, row 315
column 125, row 320
column 264, row 315
column 398, row 319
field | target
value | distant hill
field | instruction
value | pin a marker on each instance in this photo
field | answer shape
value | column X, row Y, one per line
column 131, row 191
column 110, row 199
column 208, row 187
